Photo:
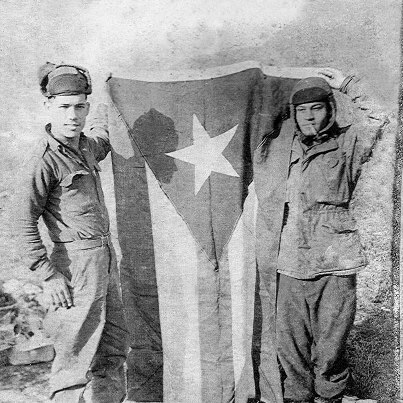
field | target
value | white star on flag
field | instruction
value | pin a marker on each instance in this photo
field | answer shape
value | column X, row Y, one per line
column 206, row 153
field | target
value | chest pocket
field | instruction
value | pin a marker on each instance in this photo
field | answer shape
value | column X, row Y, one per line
column 78, row 194
column 69, row 179
column 335, row 175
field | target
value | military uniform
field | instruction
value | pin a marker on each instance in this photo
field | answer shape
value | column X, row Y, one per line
column 62, row 185
column 311, row 250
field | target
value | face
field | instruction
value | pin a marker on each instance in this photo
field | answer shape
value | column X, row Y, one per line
column 67, row 114
column 311, row 117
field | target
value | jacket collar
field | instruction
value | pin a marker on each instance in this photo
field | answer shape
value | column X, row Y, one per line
column 57, row 145
column 320, row 148
column 53, row 143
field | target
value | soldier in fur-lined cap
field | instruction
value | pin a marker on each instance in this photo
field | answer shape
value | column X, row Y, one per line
column 61, row 184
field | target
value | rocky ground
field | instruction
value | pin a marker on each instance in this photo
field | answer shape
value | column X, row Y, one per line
column 24, row 383
column 25, row 349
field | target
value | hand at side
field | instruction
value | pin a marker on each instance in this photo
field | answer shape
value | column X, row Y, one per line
column 56, row 289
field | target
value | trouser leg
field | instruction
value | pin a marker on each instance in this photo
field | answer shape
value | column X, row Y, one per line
column 294, row 339
column 77, row 331
column 333, row 305
column 107, row 377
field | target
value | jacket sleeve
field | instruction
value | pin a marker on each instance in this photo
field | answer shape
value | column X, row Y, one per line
column 369, row 127
column 361, row 97
column 99, row 132
column 32, row 195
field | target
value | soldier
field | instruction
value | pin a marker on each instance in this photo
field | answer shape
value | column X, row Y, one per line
column 61, row 184
column 311, row 247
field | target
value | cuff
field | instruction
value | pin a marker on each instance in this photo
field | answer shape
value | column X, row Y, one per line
column 45, row 271
column 347, row 82
column 100, row 119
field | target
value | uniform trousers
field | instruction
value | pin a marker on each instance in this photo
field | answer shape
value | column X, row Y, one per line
column 313, row 320
column 90, row 338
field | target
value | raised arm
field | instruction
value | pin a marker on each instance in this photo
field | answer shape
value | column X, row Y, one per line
column 373, row 120
column 99, row 132
column 357, row 92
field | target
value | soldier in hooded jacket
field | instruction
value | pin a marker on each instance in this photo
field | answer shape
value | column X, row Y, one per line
column 309, row 250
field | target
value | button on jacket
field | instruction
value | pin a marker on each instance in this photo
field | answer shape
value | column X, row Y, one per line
column 65, row 189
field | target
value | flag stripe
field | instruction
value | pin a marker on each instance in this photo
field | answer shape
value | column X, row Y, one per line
column 241, row 260
column 176, row 258
column 137, row 266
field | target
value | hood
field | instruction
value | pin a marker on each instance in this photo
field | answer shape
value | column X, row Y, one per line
column 313, row 89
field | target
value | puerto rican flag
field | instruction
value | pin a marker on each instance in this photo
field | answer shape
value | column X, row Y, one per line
column 183, row 149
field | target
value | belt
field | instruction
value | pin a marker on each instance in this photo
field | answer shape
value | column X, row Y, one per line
column 82, row 244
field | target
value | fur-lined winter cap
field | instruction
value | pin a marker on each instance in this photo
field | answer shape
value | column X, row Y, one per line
column 64, row 79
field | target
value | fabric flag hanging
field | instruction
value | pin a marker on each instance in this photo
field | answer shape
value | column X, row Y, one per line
column 183, row 152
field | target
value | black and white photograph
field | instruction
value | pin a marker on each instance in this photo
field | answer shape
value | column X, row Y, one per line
column 200, row 201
